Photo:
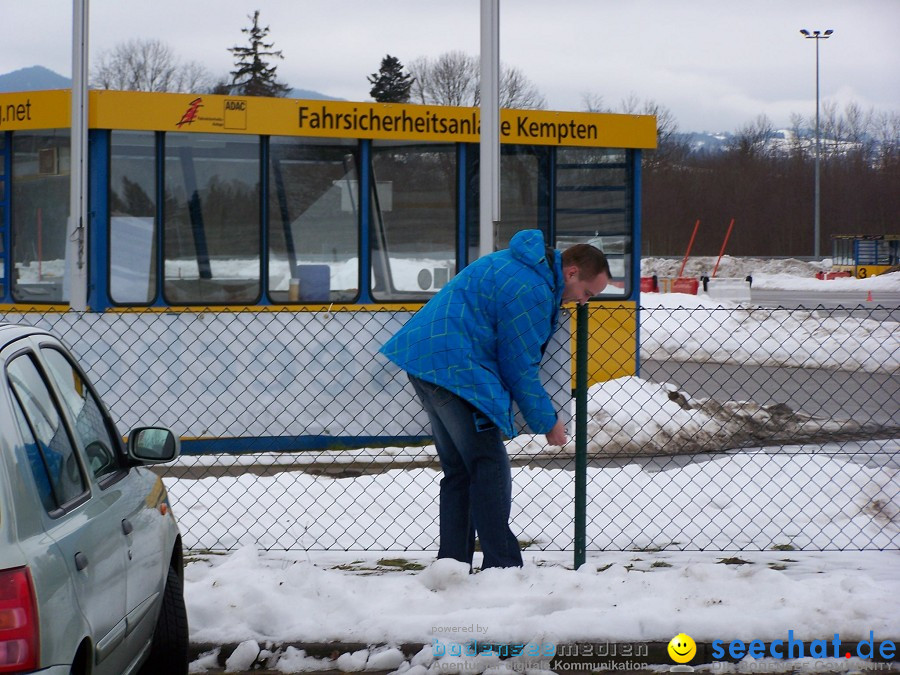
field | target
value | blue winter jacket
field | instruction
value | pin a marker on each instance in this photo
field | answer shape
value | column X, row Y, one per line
column 482, row 336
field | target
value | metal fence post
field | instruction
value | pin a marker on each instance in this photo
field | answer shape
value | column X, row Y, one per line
column 581, row 361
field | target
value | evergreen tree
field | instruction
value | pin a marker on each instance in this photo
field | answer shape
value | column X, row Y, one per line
column 390, row 84
column 254, row 76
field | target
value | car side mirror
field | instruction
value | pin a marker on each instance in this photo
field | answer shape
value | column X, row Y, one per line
column 153, row 445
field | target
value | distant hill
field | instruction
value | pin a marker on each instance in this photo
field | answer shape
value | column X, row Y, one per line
column 705, row 141
column 36, row 78
column 308, row 93
column 33, row 78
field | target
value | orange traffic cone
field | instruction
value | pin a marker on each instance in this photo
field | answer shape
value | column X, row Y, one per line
column 869, row 296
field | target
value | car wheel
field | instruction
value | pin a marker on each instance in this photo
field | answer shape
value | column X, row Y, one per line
column 169, row 649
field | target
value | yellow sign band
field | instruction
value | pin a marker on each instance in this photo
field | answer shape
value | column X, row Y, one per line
column 208, row 113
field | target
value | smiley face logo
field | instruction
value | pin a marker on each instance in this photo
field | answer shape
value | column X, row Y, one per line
column 682, row 648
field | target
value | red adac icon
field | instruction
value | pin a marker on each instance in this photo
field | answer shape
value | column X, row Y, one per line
column 191, row 113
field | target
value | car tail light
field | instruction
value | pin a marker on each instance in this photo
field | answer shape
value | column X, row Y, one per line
column 19, row 629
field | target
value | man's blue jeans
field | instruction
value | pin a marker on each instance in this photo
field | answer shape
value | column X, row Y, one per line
column 476, row 490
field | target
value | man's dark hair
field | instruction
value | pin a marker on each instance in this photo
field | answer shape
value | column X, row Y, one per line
column 589, row 260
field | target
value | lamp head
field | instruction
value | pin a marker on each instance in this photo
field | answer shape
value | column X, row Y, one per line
column 804, row 32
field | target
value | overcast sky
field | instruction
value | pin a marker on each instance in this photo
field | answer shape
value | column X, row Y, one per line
column 716, row 65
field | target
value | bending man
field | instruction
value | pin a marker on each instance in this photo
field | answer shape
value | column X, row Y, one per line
column 474, row 348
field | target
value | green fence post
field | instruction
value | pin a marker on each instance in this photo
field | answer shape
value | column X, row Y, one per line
column 581, row 361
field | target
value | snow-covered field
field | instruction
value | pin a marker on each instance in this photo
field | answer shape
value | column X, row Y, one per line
column 817, row 497
column 698, row 328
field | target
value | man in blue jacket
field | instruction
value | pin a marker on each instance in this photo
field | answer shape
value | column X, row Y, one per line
column 474, row 348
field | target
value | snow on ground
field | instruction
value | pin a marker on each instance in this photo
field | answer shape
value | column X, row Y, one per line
column 682, row 327
column 650, row 591
column 770, row 273
column 266, row 599
column 782, row 281
column 734, row 267
column 626, row 417
column 823, row 497
column 615, row 597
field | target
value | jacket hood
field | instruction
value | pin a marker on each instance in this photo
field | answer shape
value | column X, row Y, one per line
column 528, row 247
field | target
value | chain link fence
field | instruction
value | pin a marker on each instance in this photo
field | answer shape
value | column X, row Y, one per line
column 744, row 429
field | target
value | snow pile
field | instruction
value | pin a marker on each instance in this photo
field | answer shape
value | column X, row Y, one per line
column 630, row 596
column 731, row 266
column 629, row 416
column 768, row 273
column 785, row 281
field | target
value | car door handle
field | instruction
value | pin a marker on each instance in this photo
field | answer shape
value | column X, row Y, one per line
column 127, row 527
column 81, row 561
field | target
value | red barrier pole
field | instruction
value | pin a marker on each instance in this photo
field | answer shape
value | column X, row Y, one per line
column 691, row 243
column 727, row 234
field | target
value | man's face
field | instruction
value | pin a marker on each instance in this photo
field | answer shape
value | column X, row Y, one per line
column 581, row 290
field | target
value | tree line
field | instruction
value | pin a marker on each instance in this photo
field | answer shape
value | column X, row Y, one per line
column 763, row 178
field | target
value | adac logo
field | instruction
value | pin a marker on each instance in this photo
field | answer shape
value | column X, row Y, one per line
column 191, row 113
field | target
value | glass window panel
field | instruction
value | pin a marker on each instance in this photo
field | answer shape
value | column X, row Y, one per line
column 48, row 429
column 593, row 205
column 132, row 217
column 212, row 219
column 313, row 220
column 591, row 197
column 591, row 156
column 523, row 199
column 35, row 460
column 573, row 174
column 40, row 211
column 91, row 426
column 414, row 215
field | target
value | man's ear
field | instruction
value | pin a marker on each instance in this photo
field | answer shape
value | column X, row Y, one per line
column 570, row 272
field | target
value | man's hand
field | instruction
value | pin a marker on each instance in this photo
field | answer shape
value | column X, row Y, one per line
column 557, row 435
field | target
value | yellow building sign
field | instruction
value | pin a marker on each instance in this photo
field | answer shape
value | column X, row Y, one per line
column 35, row 110
column 325, row 119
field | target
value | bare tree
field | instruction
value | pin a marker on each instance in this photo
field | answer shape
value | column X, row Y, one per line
column 450, row 79
column 666, row 124
column 798, row 142
column 886, row 132
column 593, row 103
column 517, row 91
column 454, row 78
column 147, row 65
column 831, row 129
column 753, row 139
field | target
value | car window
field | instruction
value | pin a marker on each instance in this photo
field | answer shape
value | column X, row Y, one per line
column 35, row 460
column 47, row 428
column 90, row 423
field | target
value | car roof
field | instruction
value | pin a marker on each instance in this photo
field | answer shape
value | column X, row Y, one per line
column 10, row 332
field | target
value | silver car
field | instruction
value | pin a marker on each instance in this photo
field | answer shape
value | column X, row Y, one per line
column 90, row 554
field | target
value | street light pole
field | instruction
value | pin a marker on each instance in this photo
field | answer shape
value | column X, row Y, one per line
column 816, row 35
